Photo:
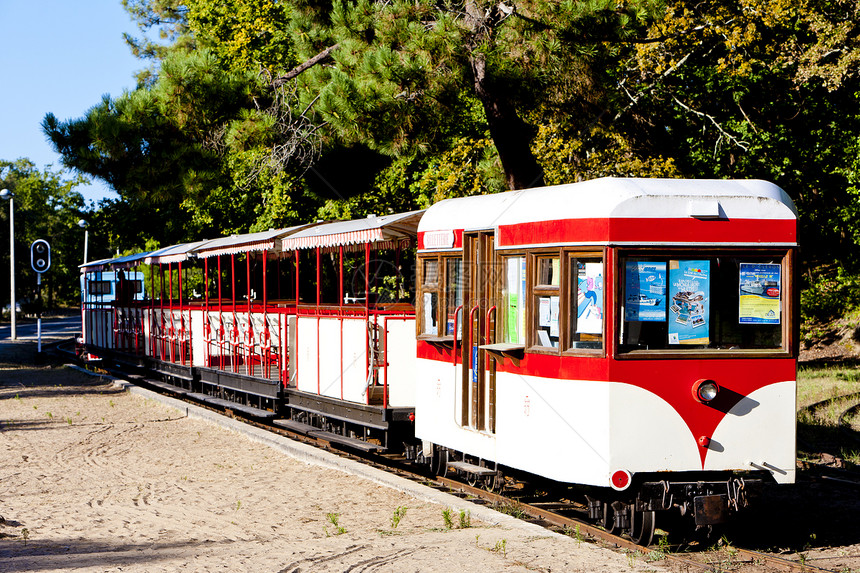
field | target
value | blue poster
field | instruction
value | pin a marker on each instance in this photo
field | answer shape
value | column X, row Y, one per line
column 759, row 293
column 689, row 310
column 645, row 285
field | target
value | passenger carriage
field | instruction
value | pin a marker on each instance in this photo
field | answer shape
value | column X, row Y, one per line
column 311, row 326
column 600, row 333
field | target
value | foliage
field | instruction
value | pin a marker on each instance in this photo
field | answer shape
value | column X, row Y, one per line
column 46, row 206
column 406, row 102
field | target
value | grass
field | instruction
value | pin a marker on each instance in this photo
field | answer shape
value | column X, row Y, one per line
column 818, row 429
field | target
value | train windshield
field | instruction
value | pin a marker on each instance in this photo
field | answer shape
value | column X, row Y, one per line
column 687, row 301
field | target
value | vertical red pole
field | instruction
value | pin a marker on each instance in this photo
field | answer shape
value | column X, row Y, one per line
column 295, row 357
column 235, row 332
column 170, row 303
column 161, row 311
column 265, row 349
column 318, row 319
column 220, row 318
column 249, row 334
column 342, row 317
column 152, row 339
column 367, row 317
column 207, row 327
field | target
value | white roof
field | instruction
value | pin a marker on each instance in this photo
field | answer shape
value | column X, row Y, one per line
column 234, row 244
column 172, row 254
column 357, row 231
column 611, row 197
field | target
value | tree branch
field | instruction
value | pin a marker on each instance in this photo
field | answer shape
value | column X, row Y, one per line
column 281, row 80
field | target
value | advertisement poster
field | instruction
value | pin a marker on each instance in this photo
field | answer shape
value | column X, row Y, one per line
column 645, row 285
column 689, row 310
column 589, row 314
column 759, row 293
column 515, row 286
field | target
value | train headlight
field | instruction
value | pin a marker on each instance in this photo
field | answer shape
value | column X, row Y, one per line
column 705, row 390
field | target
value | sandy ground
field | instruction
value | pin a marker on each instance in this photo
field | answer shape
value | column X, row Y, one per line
column 95, row 478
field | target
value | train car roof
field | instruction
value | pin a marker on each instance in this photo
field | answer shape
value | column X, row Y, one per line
column 234, row 244
column 372, row 229
column 618, row 210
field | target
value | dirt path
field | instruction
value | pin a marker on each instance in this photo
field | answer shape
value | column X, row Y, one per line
column 93, row 478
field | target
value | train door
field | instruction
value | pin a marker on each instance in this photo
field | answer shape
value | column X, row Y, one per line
column 477, row 383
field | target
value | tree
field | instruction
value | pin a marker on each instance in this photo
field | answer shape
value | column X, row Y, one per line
column 744, row 88
column 46, row 207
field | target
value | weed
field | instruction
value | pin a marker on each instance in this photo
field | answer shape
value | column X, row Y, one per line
column 501, row 547
column 50, row 415
column 25, row 535
column 334, row 519
column 465, row 519
column 399, row 514
column 447, row 518
column 512, row 509
column 17, row 397
column 238, row 504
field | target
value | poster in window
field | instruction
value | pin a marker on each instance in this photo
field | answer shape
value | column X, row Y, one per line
column 515, row 286
column 689, row 312
column 645, row 285
column 759, row 293
column 589, row 298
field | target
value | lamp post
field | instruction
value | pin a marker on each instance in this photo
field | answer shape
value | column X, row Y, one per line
column 83, row 225
column 5, row 194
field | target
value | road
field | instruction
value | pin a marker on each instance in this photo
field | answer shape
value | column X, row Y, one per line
column 52, row 329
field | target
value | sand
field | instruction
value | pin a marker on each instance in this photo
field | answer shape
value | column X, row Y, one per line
column 95, row 478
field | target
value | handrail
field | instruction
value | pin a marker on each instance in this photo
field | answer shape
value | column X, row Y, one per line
column 487, row 331
column 471, row 321
column 456, row 323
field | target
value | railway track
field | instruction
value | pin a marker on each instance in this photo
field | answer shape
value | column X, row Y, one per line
column 560, row 515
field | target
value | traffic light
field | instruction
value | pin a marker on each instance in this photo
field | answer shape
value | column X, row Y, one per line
column 40, row 255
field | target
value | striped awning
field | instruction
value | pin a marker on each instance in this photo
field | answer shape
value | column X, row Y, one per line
column 235, row 244
column 173, row 254
column 385, row 229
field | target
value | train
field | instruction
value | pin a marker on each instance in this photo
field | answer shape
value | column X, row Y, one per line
column 635, row 339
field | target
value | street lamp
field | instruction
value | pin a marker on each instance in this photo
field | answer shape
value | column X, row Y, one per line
column 5, row 194
column 83, row 225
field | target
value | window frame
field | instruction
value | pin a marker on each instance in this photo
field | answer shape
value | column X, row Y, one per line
column 570, row 256
column 789, row 310
column 535, row 290
column 440, row 288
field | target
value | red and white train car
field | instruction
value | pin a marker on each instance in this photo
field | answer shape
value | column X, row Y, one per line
column 631, row 334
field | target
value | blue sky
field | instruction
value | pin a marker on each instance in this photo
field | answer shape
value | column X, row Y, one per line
column 59, row 56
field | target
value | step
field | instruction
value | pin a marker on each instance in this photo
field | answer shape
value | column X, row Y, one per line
column 313, row 432
column 249, row 410
column 471, row 469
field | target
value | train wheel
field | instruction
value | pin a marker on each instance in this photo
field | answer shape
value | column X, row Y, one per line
column 439, row 466
column 643, row 524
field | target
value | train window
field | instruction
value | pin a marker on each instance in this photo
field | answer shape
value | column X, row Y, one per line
column 429, row 296
column 99, row 287
column 453, row 294
column 546, row 298
column 586, row 316
column 731, row 302
column 513, row 316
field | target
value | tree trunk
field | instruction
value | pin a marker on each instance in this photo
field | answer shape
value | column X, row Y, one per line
column 510, row 133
